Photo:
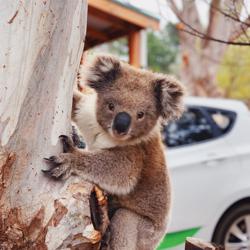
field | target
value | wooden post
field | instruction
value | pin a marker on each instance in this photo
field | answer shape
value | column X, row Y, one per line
column 134, row 42
column 40, row 50
column 197, row 244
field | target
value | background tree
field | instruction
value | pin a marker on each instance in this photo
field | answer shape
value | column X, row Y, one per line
column 202, row 48
column 117, row 47
column 163, row 48
column 234, row 75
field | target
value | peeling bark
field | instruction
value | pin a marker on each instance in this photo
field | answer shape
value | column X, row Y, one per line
column 6, row 162
column 41, row 46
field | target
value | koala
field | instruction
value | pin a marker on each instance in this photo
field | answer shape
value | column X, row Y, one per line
column 120, row 120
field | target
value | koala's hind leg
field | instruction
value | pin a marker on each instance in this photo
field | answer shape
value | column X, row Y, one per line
column 123, row 230
column 148, row 236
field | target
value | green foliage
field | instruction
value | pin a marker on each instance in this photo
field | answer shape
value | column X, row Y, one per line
column 118, row 47
column 163, row 48
column 234, row 73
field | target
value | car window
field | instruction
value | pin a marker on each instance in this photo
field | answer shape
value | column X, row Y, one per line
column 192, row 127
column 224, row 119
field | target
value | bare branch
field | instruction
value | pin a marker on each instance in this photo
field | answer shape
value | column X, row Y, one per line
column 204, row 36
column 245, row 7
column 189, row 12
column 237, row 32
column 213, row 16
column 174, row 7
column 236, row 10
column 208, row 36
column 215, row 7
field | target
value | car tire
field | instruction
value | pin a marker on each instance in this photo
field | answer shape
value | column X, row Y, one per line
column 226, row 232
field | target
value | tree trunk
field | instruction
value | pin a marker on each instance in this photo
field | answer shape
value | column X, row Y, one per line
column 199, row 67
column 41, row 45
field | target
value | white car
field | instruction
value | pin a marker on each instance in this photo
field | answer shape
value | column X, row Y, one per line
column 209, row 158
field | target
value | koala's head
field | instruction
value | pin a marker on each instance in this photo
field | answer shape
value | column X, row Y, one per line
column 130, row 101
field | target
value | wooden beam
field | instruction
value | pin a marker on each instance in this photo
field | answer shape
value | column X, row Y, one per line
column 97, row 34
column 124, row 13
column 114, row 21
column 90, row 43
column 134, row 42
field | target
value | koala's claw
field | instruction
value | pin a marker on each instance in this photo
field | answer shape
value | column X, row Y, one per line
column 55, row 173
column 58, row 168
column 68, row 145
column 53, row 161
column 52, row 174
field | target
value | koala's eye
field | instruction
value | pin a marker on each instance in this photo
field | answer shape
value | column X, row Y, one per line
column 111, row 106
column 140, row 115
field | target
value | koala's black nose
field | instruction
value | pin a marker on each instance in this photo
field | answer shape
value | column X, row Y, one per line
column 122, row 122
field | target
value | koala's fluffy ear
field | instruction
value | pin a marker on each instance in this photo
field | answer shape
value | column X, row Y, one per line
column 102, row 72
column 169, row 94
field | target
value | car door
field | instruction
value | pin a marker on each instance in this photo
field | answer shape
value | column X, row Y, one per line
column 197, row 156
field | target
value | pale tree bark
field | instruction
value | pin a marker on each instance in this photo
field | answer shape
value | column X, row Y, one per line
column 202, row 57
column 41, row 43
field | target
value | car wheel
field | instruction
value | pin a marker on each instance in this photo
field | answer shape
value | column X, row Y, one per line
column 233, row 230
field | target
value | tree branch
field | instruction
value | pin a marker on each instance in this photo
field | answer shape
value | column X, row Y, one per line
column 174, row 8
column 203, row 36
column 190, row 14
column 208, row 36
column 215, row 8
column 238, row 30
column 213, row 16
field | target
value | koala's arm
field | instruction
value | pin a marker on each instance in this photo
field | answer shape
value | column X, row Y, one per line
column 115, row 170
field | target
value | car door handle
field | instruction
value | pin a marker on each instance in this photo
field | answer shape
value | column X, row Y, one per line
column 212, row 155
column 211, row 163
column 212, row 160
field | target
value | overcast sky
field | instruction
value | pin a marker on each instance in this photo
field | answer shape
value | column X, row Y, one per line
column 160, row 8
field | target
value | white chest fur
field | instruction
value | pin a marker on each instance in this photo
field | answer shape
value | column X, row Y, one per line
column 94, row 136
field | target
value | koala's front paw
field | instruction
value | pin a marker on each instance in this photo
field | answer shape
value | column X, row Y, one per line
column 68, row 144
column 77, row 139
column 60, row 167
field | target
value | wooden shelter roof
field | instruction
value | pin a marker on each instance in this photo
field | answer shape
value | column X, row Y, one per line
column 112, row 19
